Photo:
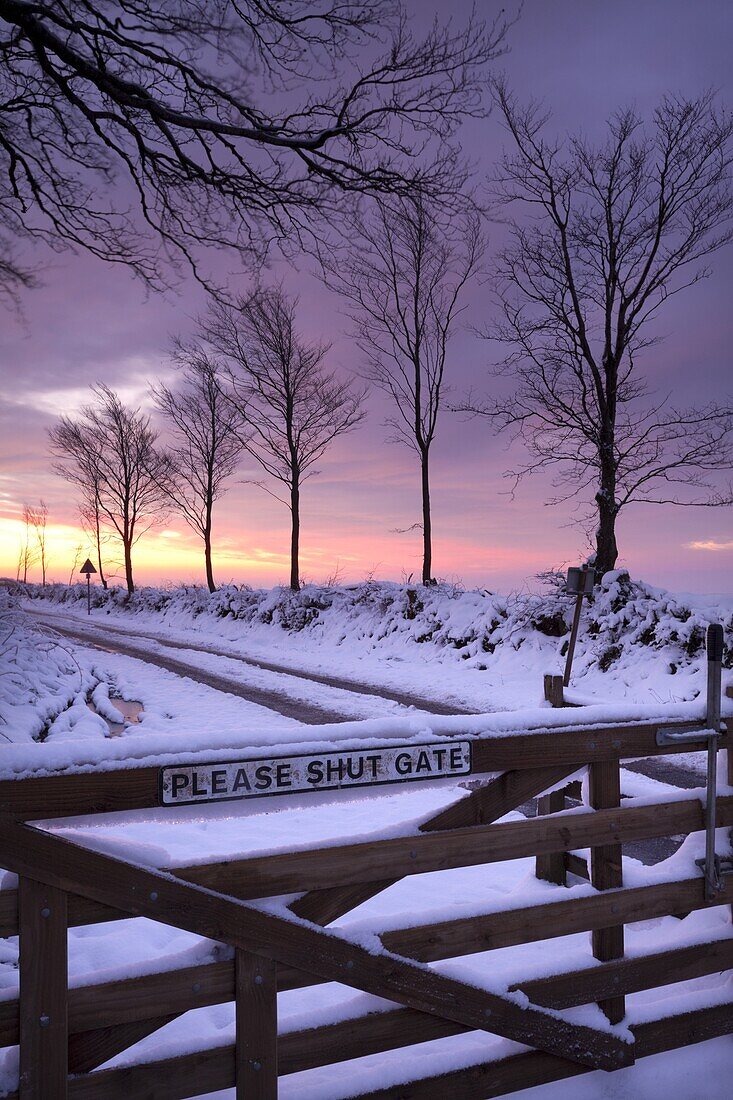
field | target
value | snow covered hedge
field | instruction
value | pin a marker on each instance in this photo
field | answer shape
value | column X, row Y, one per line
column 43, row 691
column 622, row 615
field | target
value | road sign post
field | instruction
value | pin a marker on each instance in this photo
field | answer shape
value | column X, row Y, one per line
column 87, row 569
column 579, row 583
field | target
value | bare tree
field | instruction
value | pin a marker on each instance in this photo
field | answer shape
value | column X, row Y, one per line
column 614, row 233
column 293, row 405
column 26, row 558
column 232, row 123
column 26, row 554
column 113, row 447
column 75, row 563
column 208, row 430
column 37, row 519
column 91, row 521
column 403, row 277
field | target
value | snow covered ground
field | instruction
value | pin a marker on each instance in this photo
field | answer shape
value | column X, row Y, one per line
column 375, row 637
column 474, row 648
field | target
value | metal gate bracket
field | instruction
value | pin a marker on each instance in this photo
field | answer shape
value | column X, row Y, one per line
column 673, row 735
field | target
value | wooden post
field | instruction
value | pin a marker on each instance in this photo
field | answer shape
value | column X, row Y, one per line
column 607, row 873
column 551, row 867
column 573, row 638
column 256, row 1059
column 554, row 690
column 729, row 755
column 729, row 750
column 714, row 662
column 44, row 1032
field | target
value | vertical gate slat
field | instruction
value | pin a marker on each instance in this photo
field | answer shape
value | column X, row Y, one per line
column 44, row 1032
column 551, row 867
column 256, row 993
column 607, row 873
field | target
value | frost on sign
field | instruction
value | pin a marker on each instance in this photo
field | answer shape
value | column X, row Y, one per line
column 315, row 772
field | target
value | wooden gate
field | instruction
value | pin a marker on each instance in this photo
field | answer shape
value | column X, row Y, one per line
column 64, row 1033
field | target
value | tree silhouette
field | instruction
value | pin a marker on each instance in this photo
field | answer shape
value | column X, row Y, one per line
column 208, row 431
column 294, row 407
column 144, row 132
column 403, row 277
column 616, row 232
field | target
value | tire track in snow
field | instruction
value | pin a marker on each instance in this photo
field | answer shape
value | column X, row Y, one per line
column 300, row 710
column 405, row 699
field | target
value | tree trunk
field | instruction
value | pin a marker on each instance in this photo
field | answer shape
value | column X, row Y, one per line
column 207, row 556
column 295, row 534
column 606, row 547
column 427, row 527
column 102, row 578
column 128, row 568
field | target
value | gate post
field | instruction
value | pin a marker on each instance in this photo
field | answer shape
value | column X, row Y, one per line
column 44, row 1030
column 551, row 867
column 256, row 1045
column 606, row 873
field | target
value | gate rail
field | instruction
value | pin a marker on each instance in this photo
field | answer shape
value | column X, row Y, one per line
column 65, row 1033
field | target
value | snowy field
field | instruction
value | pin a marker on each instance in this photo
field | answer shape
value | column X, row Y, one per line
column 640, row 654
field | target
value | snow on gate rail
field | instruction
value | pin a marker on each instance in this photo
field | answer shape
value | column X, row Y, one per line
column 65, row 1033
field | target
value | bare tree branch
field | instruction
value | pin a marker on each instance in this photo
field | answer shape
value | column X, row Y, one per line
column 224, row 123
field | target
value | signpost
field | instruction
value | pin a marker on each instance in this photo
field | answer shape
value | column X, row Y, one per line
column 579, row 583
column 87, row 569
column 225, row 780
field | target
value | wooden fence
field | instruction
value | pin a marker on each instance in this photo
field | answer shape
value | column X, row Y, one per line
column 65, row 1033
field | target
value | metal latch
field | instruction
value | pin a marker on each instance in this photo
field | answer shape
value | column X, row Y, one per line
column 683, row 735
column 720, row 868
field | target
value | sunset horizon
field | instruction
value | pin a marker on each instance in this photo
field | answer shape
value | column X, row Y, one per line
column 91, row 322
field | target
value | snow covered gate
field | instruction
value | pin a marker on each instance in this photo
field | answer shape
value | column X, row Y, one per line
column 65, row 1033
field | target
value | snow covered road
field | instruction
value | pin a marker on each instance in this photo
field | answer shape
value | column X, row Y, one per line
column 313, row 700
column 277, row 690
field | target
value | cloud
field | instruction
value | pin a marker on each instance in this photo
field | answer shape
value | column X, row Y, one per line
column 710, row 544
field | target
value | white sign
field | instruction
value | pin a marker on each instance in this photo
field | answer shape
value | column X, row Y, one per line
column 328, row 771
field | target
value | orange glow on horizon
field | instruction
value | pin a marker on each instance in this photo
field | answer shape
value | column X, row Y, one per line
column 175, row 555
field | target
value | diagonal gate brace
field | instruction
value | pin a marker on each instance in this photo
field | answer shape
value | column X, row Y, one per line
column 160, row 896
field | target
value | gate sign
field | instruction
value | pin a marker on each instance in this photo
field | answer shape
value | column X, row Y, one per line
column 226, row 780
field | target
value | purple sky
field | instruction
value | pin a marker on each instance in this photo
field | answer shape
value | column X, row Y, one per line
column 90, row 322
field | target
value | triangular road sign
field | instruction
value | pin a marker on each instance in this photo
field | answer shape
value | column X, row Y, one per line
column 87, row 568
